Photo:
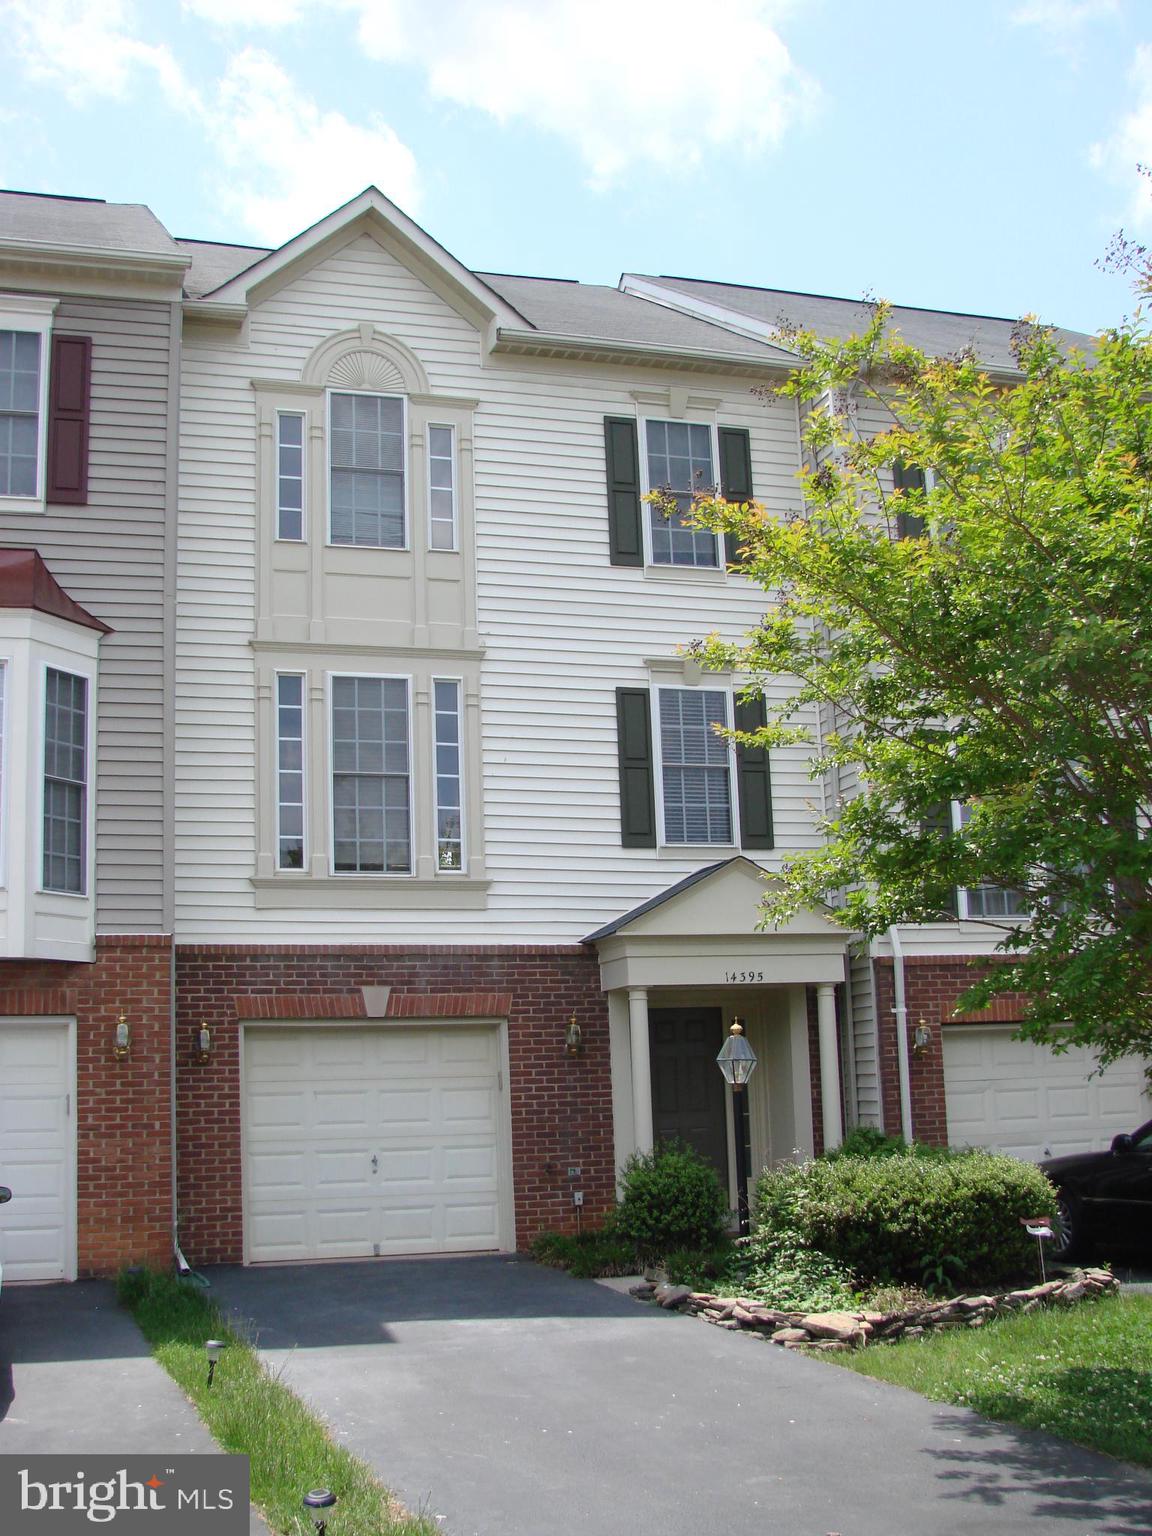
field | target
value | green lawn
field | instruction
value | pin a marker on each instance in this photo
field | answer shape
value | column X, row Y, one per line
column 250, row 1412
column 1083, row 1372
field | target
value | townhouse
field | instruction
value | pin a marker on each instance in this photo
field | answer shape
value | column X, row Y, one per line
column 400, row 778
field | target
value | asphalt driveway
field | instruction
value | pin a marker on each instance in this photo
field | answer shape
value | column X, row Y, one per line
column 510, row 1400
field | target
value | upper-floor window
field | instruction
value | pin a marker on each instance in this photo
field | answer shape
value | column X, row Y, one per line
column 680, row 460
column 984, row 900
column 449, row 774
column 366, row 459
column 290, row 475
column 695, row 766
column 371, row 778
column 290, row 770
column 441, row 488
column 65, row 781
column 21, row 407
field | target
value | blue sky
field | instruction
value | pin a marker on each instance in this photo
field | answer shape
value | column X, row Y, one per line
column 974, row 155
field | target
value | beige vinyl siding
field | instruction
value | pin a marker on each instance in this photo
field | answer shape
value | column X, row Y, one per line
column 862, row 996
column 561, row 626
column 110, row 556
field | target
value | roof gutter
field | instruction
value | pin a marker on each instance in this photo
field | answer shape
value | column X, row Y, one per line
column 544, row 343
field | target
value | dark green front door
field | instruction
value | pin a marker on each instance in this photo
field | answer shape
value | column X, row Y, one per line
column 687, row 1085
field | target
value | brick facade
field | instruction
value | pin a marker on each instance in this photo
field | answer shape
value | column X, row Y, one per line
column 932, row 985
column 561, row 1105
column 123, row 1108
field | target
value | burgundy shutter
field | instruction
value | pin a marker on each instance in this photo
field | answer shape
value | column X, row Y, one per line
column 69, row 399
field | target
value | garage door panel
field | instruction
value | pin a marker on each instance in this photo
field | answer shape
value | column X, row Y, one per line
column 421, row 1101
column 36, row 1151
column 342, row 1111
column 1022, row 1098
column 274, row 1109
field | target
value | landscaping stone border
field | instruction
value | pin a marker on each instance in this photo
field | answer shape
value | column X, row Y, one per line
column 852, row 1330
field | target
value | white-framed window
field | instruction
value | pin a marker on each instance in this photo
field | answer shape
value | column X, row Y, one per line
column 695, row 766
column 290, row 475
column 290, row 770
column 984, row 901
column 680, row 458
column 442, row 526
column 448, row 771
column 65, row 784
column 367, row 470
column 23, row 409
column 371, row 756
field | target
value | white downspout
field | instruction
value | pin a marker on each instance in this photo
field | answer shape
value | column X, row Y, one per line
column 901, row 1011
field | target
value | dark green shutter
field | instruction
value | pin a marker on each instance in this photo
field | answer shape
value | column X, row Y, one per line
column 908, row 477
column 634, row 742
column 625, row 532
column 735, row 479
column 938, row 821
column 754, row 778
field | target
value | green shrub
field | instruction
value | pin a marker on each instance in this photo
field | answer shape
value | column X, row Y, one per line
column 586, row 1255
column 949, row 1220
column 670, row 1199
column 867, row 1141
column 783, row 1273
column 700, row 1268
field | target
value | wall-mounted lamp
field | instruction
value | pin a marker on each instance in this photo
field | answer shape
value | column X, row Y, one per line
column 122, row 1040
column 205, row 1044
column 573, row 1038
column 921, row 1037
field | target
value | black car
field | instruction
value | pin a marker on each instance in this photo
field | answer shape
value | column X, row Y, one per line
column 1104, row 1195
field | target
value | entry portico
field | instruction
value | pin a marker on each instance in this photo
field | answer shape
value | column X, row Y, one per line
column 677, row 970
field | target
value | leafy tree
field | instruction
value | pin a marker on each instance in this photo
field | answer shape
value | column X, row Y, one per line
column 985, row 640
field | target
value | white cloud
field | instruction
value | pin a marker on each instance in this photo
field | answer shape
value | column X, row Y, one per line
column 1063, row 19
column 246, row 13
column 291, row 162
column 284, row 161
column 86, row 48
column 1130, row 143
column 625, row 81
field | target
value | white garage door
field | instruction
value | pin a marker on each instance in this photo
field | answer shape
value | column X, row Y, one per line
column 1020, row 1098
column 366, row 1141
column 36, row 1156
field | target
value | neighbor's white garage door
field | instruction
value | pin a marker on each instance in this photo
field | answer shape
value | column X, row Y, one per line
column 373, row 1141
column 36, row 1152
column 1020, row 1098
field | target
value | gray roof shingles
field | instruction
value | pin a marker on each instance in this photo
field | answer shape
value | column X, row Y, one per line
column 940, row 333
column 83, row 222
column 594, row 312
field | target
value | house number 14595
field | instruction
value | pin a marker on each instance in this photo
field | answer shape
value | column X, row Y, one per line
column 743, row 975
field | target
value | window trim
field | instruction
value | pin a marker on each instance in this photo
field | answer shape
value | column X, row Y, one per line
column 413, row 846
column 302, row 415
column 405, row 430
column 646, row 508
column 658, row 764
column 89, row 829
column 287, row 869
column 35, row 315
column 450, row 428
column 461, row 776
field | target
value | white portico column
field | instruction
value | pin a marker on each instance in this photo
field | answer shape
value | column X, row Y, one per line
column 641, row 1067
column 830, row 1106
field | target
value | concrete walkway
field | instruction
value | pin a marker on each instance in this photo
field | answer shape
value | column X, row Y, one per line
column 510, row 1400
column 77, row 1375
